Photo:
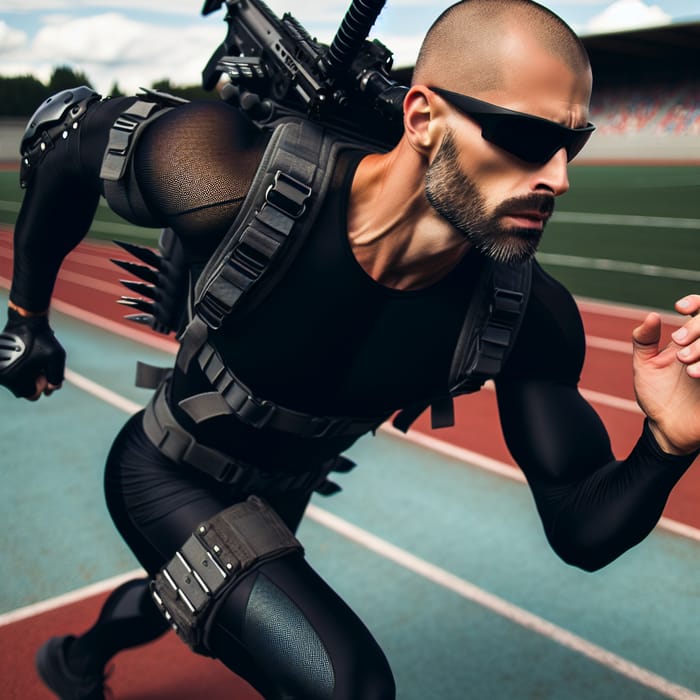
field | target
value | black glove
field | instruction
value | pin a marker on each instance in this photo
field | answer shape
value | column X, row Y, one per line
column 29, row 349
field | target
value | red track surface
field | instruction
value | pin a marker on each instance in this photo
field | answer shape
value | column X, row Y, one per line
column 89, row 281
column 163, row 670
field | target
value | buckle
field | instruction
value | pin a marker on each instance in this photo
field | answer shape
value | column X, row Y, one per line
column 505, row 305
column 288, row 194
column 254, row 411
column 211, row 311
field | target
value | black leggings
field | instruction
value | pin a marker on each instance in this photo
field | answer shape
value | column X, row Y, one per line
column 282, row 628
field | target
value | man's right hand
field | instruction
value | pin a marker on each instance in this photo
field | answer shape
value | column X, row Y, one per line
column 31, row 359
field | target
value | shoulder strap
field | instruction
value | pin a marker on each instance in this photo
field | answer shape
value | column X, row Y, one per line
column 489, row 331
column 282, row 204
column 491, row 324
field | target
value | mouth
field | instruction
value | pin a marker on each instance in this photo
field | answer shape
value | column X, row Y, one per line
column 529, row 219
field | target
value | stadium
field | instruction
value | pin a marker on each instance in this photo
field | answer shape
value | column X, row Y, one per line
column 624, row 239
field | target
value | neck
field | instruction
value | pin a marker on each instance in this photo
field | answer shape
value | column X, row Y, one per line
column 395, row 234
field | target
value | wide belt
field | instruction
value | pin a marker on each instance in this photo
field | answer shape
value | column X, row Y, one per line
column 179, row 445
column 232, row 396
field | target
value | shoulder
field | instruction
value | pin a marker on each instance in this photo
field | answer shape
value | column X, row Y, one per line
column 198, row 156
column 551, row 342
column 213, row 127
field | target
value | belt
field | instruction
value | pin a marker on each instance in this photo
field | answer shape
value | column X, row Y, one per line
column 179, row 445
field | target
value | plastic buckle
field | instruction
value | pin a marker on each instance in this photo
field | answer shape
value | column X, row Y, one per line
column 506, row 304
column 211, row 311
column 255, row 412
column 288, row 194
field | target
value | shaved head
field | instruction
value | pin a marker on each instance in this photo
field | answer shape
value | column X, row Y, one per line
column 472, row 44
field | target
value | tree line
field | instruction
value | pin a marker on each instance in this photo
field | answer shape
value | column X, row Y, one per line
column 21, row 95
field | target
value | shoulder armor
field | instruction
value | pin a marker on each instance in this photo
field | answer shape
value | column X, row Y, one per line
column 55, row 118
column 61, row 109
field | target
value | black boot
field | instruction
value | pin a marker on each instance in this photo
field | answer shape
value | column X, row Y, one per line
column 53, row 669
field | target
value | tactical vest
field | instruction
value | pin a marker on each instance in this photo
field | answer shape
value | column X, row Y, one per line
column 272, row 225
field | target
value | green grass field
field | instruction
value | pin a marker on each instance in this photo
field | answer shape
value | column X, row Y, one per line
column 629, row 234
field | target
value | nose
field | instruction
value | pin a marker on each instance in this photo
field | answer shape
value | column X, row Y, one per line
column 553, row 175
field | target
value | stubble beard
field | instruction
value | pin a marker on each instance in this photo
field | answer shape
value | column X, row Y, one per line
column 456, row 197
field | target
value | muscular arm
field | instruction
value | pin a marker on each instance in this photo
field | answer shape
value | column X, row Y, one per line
column 593, row 506
column 59, row 206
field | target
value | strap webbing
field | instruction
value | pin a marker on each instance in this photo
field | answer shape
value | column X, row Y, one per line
column 488, row 333
column 285, row 187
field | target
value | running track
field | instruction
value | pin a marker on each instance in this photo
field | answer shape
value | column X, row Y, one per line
column 89, row 285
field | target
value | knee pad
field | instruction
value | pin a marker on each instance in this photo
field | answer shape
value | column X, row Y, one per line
column 55, row 118
column 220, row 552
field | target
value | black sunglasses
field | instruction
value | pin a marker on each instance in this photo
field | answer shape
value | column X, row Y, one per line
column 532, row 139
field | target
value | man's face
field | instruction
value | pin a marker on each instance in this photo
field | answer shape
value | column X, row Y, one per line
column 499, row 202
column 457, row 198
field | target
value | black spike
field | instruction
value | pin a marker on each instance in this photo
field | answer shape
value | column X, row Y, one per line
column 146, row 290
column 145, row 319
column 148, row 274
column 142, row 253
column 140, row 304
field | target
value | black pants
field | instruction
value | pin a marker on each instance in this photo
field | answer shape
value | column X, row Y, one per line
column 282, row 628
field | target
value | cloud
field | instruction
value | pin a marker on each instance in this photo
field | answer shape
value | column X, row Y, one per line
column 111, row 48
column 190, row 7
column 627, row 14
column 10, row 39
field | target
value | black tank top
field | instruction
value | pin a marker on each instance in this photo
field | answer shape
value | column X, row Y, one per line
column 329, row 340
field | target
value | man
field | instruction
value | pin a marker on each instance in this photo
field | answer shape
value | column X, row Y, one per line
column 363, row 322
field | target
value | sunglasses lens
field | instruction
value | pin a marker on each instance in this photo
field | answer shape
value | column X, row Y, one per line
column 530, row 140
column 578, row 141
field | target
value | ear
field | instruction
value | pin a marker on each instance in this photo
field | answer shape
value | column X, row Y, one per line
column 419, row 115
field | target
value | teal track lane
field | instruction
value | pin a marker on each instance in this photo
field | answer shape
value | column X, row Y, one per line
column 477, row 526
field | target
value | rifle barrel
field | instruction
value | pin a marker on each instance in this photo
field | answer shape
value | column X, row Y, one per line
column 353, row 30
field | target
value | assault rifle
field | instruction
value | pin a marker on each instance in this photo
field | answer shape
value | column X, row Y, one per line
column 277, row 69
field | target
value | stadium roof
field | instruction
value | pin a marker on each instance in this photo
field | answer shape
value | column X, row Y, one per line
column 666, row 52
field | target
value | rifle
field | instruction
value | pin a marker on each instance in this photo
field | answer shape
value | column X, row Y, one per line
column 276, row 69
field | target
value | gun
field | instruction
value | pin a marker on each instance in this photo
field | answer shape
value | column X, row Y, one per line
column 276, row 69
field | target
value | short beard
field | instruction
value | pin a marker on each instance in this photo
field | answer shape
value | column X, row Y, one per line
column 457, row 198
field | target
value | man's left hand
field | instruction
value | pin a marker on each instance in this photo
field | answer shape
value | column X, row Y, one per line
column 667, row 380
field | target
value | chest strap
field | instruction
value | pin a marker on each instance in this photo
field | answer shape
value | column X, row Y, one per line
column 180, row 446
column 232, row 396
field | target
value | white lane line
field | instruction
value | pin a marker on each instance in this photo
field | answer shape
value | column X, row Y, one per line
column 69, row 598
column 608, row 265
column 613, row 401
column 94, row 283
column 596, row 397
column 102, row 393
column 580, row 217
column 499, row 606
column 627, row 311
column 475, row 459
column 621, row 346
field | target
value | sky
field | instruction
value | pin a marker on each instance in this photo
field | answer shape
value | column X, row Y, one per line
column 137, row 42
